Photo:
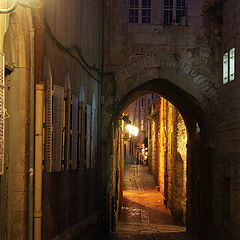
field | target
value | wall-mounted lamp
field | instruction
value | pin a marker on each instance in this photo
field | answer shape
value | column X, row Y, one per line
column 10, row 9
column 126, row 119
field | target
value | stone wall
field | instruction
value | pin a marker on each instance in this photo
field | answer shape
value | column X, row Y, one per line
column 169, row 164
column 226, row 166
column 182, row 63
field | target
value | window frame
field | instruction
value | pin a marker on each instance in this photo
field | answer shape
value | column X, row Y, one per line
column 140, row 8
column 228, row 65
column 173, row 8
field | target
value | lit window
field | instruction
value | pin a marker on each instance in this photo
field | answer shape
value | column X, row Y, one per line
column 142, row 126
column 225, row 68
column 229, row 66
column 232, row 64
column 140, row 11
column 174, row 11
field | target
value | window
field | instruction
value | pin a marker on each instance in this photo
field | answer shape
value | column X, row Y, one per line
column 174, row 12
column 142, row 126
column 229, row 66
column 57, row 127
column 140, row 11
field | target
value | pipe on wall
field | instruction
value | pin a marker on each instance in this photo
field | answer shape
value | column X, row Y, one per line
column 38, row 161
column 31, row 131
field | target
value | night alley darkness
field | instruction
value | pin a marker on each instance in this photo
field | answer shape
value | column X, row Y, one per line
column 119, row 120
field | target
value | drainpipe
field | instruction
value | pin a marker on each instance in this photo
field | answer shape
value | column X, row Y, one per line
column 38, row 161
column 31, row 136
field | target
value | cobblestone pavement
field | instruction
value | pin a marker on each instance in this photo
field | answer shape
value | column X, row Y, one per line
column 143, row 215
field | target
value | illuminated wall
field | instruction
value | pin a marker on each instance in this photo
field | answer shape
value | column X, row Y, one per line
column 167, row 155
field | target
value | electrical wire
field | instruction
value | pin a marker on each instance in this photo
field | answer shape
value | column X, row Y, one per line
column 81, row 61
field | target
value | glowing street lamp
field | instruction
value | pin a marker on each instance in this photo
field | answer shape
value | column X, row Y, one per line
column 132, row 130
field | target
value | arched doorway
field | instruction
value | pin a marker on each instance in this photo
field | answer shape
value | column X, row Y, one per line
column 199, row 153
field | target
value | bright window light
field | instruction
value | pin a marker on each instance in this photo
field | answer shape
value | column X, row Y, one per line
column 225, row 68
column 229, row 66
column 232, row 64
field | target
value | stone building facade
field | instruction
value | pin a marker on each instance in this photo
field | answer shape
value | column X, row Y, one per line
column 49, row 170
column 183, row 62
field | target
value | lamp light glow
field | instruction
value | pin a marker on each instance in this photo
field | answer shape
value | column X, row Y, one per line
column 132, row 130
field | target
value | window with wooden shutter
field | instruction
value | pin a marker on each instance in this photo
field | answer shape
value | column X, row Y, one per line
column 88, row 136
column 74, row 136
column 2, row 109
column 67, row 128
column 58, row 115
column 94, row 135
column 48, row 125
column 81, row 135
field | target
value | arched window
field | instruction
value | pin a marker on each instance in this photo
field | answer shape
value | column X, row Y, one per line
column 67, row 122
column 81, row 130
column 94, row 134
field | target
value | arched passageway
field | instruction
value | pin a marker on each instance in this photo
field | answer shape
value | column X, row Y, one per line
column 199, row 154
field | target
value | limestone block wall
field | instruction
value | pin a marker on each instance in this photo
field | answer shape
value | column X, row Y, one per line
column 169, row 165
column 226, row 166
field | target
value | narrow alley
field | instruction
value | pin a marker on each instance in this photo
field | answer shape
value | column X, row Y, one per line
column 143, row 215
column 119, row 120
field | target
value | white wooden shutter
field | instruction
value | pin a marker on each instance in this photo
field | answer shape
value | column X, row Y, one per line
column 88, row 136
column 2, row 110
column 82, row 143
column 94, row 138
column 48, row 125
column 67, row 128
column 58, row 111
column 74, row 131
column 80, row 135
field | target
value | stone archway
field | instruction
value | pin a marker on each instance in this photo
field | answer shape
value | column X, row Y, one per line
column 196, row 99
